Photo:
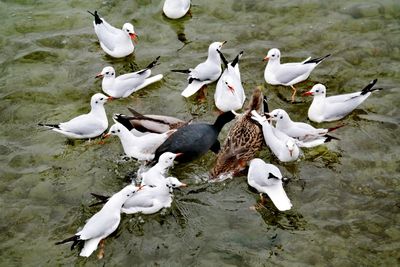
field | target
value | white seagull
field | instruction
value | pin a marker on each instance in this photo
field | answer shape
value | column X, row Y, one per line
column 175, row 9
column 283, row 146
column 307, row 134
column 157, row 173
column 124, row 85
column 103, row 223
column 204, row 73
column 85, row 126
column 229, row 93
column 267, row 178
column 115, row 42
column 139, row 147
column 335, row 107
column 290, row 73
column 152, row 198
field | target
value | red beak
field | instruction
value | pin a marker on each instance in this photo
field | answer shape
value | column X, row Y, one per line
column 307, row 93
column 105, row 136
column 110, row 98
column 99, row 75
column 133, row 37
column 178, row 154
column 231, row 89
column 266, row 58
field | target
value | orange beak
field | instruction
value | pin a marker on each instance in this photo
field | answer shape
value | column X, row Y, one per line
column 105, row 136
column 178, row 154
column 308, row 93
column 266, row 58
column 133, row 37
column 184, row 185
column 140, row 187
column 99, row 75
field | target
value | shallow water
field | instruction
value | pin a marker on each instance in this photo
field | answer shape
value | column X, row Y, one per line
column 345, row 195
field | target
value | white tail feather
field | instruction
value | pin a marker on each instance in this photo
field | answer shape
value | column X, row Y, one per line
column 89, row 247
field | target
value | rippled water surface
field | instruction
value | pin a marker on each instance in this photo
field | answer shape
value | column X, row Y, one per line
column 345, row 195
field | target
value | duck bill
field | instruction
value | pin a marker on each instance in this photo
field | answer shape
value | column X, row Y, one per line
column 308, row 93
column 134, row 37
column 99, row 75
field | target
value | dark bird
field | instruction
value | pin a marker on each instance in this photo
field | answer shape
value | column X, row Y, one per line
column 195, row 139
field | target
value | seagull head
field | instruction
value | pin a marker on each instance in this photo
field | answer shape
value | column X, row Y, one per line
column 106, row 72
column 129, row 190
column 175, row 183
column 216, row 46
column 99, row 99
column 166, row 160
column 273, row 54
column 128, row 28
column 316, row 90
column 278, row 115
column 115, row 129
column 290, row 145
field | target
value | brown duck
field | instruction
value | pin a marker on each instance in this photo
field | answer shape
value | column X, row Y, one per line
column 244, row 140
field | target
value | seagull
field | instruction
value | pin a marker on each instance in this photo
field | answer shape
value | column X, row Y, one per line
column 283, row 146
column 157, row 172
column 175, row 9
column 139, row 147
column 307, row 134
column 85, row 126
column 125, row 85
column 267, row 178
column 103, row 223
column 115, row 42
column 229, row 93
column 152, row 198
column 204, row 73
column 336, row 107
column 290, row 73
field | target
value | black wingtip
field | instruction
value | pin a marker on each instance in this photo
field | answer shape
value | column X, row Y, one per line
column 97, row 19
column 330, row 138
column 49, row 125
column 181, row 71
column 223, row 58
column 368, row 88
column 317, row 60
column 237, row 58
column 153, row 63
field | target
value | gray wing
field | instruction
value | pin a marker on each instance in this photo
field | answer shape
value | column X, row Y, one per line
column 290, row 71
column 83, row 125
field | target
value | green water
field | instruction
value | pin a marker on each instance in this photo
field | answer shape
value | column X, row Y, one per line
column 345, row 195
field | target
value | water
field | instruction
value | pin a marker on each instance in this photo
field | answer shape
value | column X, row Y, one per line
column 345, row 195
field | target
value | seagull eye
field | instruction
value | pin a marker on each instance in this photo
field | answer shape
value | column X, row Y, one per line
column 113, row 131
column 107, row 72
column 127, row 195
column 281, row 117
column 119, row 130
column 101, row 98
column 97, row 102
column 275, row 115
column 317, row 91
